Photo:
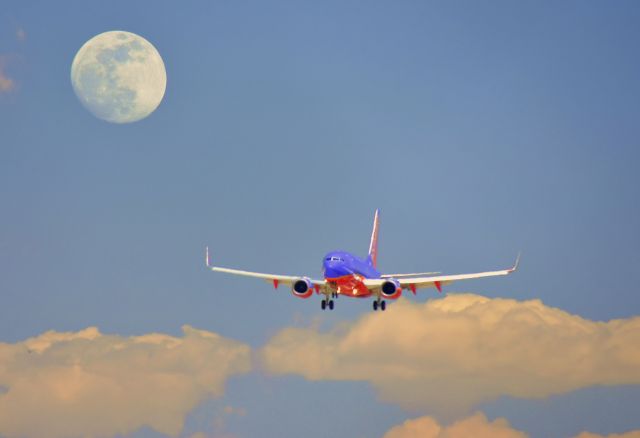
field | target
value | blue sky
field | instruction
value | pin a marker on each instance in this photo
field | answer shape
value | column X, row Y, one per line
column 478, row 129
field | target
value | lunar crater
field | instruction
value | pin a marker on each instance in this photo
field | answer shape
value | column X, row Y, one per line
column 119, row 77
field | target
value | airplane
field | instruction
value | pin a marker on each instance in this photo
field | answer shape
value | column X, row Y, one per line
column 350, row 276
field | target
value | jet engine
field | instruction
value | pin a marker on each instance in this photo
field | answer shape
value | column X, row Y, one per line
column 391, row 289
column 302, row 288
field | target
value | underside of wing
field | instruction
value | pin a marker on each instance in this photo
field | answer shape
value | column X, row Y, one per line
column 282, row 279
column 417, row 274
column 420, row 282
column 276, row 279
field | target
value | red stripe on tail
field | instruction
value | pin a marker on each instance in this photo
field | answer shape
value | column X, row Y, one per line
column 373, row 246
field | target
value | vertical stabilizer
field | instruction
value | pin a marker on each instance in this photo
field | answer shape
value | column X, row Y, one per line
column 373, row 246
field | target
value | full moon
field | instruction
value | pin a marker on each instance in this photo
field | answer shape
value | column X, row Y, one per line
column 119, row 76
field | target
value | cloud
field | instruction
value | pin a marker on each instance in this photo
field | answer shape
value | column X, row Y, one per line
column 89, row 384
column 447, row 355
column 475, row 426
column 630, row 434
column 6, row 83
column 220, row 421
column 214, row 435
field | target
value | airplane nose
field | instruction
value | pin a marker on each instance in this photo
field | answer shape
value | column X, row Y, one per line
column 330, row 269
column 335, row 269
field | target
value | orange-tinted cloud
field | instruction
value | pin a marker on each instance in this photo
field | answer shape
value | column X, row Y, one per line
column 90, row 384
column 21, row 35
column 476, row 426
column 447, row 355
column 6, row 83
column 630, row 434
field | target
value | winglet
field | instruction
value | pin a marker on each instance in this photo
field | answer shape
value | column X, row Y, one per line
column 206, row 257
column 515, row 265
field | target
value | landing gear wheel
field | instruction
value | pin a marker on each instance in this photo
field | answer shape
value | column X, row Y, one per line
column 323, row 304
column 331, row 305
column 383, row 306
column 375, row 305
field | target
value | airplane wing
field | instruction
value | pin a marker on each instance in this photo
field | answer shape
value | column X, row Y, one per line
column 417, row 274
column 413, row 283
column 276, row 279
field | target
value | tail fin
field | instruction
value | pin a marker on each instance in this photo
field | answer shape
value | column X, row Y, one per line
column 373, row 246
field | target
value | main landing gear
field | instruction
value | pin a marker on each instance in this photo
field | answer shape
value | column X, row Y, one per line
column 379, row 303
column 326, row 303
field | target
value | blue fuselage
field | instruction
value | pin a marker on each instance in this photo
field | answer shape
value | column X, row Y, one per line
column 340, row 264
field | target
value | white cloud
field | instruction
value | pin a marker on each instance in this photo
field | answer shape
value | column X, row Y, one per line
column 476, row 426
column 90, row 384
column 447, row 355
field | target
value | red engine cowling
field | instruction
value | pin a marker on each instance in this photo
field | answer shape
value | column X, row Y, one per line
column 391, row 289
column 302, row 288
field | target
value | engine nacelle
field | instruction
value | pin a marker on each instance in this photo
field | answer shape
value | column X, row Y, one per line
column 302, row 288
column 391, row 289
